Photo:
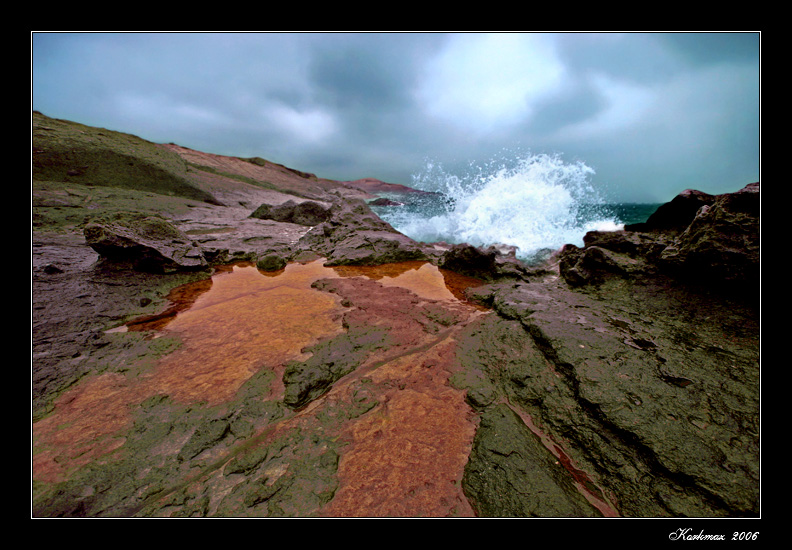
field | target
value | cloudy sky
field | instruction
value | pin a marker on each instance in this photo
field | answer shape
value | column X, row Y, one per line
column 652, row 114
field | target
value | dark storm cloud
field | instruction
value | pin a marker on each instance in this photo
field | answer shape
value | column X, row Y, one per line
column 367, row 81
column 369, row 71
column 651, row 113
column 580, row 101
column 709, row 48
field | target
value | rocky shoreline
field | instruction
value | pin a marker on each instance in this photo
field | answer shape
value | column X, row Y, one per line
column 390, row 378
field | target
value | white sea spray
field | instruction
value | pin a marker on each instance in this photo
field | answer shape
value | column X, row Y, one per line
column 533, row 202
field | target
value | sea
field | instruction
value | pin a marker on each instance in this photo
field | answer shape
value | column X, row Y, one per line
column 537, row 203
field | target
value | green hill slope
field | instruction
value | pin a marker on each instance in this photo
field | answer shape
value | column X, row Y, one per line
column 67, row 151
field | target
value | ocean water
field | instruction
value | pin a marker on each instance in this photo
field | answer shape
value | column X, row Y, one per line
column 537, row 203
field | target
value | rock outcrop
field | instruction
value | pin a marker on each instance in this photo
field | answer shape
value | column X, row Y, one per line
column 648, row 390
column 382, row 201
column 675, row 216
column 530, row 482
column 146, row 243
column 302, row 213
column 696, row 238
column 355, row 235
column 721, row 244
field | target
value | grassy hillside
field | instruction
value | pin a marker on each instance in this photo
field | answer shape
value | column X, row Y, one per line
column 69, row 152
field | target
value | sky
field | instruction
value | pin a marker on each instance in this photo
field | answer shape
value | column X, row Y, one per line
column 652, row 114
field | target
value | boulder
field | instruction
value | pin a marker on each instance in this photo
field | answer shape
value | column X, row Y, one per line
column 698, row 238
column 382, row 201
column 302, row 213
column 271, row 262
column 675, row 215
column 487, row 263
column 470, row 260
column 146, row 243
column 721, row 244
column 607, row 254
column 590, row 265
column 354, row 235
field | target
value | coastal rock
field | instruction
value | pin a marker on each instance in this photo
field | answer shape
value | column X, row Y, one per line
column 382, row 201
column 302, row 213
column 676, row 215
column 470, row 260
column 661, row 416
column 375, row 321
column 148, row 243
column 271, row 262
column 511, row 474
column 354, row 235
column 698, row 238
column 609, row 254
column 721, row 244
column 487, row 263
column 374, row 186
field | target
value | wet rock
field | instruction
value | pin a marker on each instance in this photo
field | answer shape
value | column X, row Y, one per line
column 376, row 322
column 611, row 254
column 331, row 360
column 591, row 265
column 676, row 215
column 271, row 262
column 470, row 260
column 293, row 476
column 206, row 435
column 510, row 473
column 374, row 248
column 721, row 244
column 354, row 235
column 481, row 397
column 382, row 201
column 660, row 383
column 503, row 249
column 147, row 243
column 302, row 213
column 701, row 239
column 489, row 263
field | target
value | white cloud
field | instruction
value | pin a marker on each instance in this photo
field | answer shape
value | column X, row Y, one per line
column 485, row 81
column 307, row 126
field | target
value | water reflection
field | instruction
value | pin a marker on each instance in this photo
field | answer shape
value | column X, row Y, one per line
column 229, row 328
column 243, row 320
column 422, row 278
column 244, row 323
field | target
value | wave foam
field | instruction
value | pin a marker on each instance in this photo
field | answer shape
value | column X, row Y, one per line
column 533, row 202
